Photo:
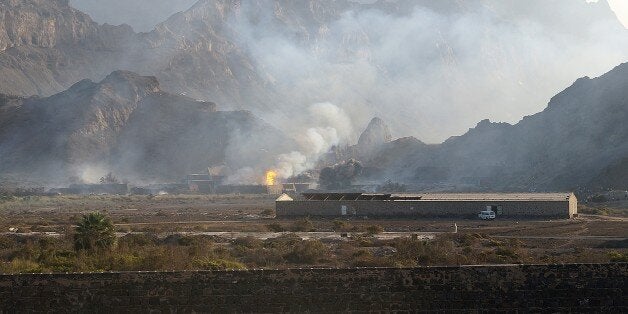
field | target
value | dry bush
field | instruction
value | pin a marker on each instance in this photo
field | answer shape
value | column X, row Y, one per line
column 364, row 258
column 211, row 263
column 262, row 257
column 374, row 229
column 340, row 225
column 248, row 243
column 20, row 266
column 275, row 227
column 302, row 225
column 308, row 252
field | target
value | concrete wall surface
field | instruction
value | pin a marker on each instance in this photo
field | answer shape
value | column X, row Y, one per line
column 465, row 209
column 507, row 288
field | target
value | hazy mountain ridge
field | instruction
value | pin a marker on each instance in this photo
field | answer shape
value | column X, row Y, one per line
column 128, row 125
column 576, row 141
column 278, row 57
column 275, row 57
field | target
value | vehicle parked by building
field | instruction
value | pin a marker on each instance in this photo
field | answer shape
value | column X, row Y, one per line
column 487, row 215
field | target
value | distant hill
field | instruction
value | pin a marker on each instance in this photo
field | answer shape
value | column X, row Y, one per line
column 128, row 125
column 579, row 140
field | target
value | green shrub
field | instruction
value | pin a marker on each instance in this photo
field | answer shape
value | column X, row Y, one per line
column 94, row 231
column 21, row 266
column 210, row 263
column 618, row 257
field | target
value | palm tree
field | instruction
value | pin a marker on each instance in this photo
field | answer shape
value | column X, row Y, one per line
column 94, row 231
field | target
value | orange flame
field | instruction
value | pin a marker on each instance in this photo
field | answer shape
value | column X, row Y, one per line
column 271, row 177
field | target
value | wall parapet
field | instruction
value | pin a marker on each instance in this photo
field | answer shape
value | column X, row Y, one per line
column 564, row 288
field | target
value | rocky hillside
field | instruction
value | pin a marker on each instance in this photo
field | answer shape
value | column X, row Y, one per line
column 579, row 140
column 46, row 46
column 128, row 125
column 275, row 57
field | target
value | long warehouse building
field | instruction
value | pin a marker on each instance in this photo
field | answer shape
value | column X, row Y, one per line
column 464, row 205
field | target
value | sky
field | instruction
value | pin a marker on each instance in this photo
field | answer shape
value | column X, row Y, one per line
column 620, row 7
column 101, row 11
column 110, row 11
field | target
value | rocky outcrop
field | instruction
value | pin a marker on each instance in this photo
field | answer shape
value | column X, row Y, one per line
column 46, row 46
column 128, row 125
column 376, row 134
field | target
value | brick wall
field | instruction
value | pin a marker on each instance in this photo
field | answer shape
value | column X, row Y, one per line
column 466, row 209
column 562, row 288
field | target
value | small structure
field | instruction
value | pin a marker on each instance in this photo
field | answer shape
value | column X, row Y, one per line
column 204, row 183
column 296, row 187
column 466, row 205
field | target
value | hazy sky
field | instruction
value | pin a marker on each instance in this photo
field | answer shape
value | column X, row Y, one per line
column 140, row 16
column 108, row 11
column 473, row 67
column 621, row 9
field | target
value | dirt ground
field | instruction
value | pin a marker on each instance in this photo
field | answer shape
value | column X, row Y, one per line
column 253, row 213
column 226, row 219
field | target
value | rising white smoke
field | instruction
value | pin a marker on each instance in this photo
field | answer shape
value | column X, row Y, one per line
column 435, row 73
column 326, row 125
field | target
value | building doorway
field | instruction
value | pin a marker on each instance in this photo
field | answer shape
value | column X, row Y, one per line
column 497, row 209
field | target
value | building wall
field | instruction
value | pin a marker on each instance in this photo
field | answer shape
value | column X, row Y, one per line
column 509, row 288
column 546, row 209
column 573, row 205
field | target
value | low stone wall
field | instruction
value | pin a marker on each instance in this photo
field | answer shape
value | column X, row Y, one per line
column 551, row 288
column 427, row 209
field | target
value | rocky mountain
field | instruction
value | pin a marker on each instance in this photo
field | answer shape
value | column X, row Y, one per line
column 116, row 12
column 579, row 140
column 430, row 68
column 376, row 134
column 46, row 46
column 276, row 57
column 126, row 124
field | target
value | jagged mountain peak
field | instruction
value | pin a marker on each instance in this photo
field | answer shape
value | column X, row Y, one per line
column 141, row 85
column 374, row 136
column 376, row 133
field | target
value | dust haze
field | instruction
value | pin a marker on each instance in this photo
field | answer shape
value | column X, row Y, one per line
column 430, row 72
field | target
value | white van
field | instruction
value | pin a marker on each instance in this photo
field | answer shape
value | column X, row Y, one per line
column 487, row 215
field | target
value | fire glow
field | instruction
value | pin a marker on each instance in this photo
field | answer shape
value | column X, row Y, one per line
column 271, row 177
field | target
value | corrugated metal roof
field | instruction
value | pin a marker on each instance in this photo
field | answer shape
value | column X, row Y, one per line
column 556, row 197
column 485, row 196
